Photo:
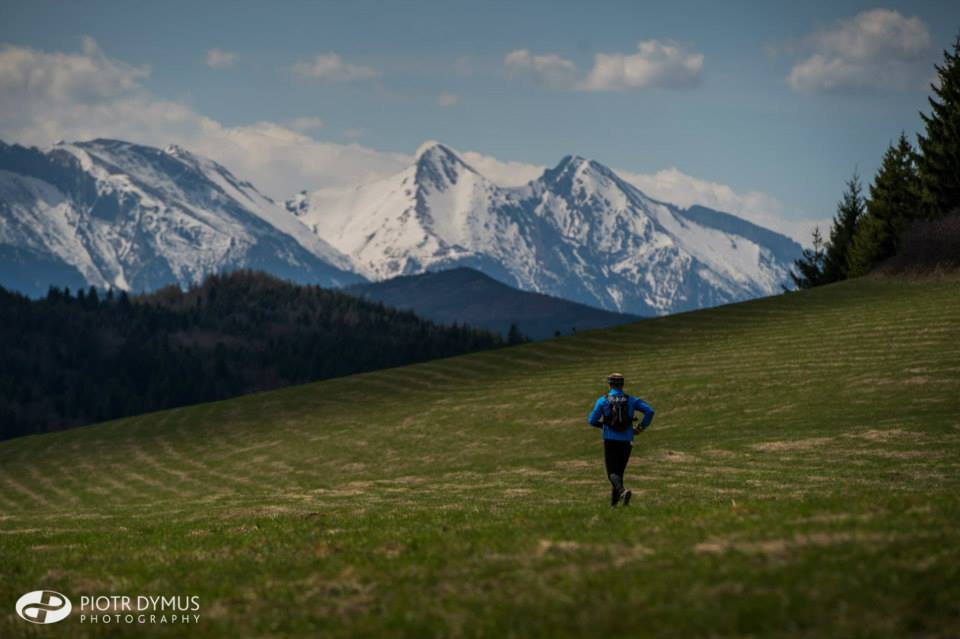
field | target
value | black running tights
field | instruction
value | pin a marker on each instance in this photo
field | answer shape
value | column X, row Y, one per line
column 616, row 454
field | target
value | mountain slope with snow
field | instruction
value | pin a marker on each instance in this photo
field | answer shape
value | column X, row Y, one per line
column 133, row 217
column 577, row 232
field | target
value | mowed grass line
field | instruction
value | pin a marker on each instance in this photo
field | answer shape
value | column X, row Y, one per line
column 801, row 479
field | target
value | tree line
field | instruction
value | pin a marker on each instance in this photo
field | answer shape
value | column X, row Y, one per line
column 75, row 358
column 911, row 197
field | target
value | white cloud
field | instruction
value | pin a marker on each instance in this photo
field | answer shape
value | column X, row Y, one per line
column 447, row 99
column 878, row 49
column 85, row 78
column 550, row 70
column 655, row 64
column 504, row 173
column 331, row 67
column 45, row 97
column 220, row 59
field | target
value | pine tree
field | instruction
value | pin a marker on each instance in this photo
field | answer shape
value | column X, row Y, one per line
column 809, row 268
column 940, row 147
column 849, row 211
column 894, row 202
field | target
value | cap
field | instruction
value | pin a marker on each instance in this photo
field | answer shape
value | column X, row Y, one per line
column 615, row 379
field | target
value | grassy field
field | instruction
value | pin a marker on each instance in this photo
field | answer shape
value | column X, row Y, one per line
column 801, row 478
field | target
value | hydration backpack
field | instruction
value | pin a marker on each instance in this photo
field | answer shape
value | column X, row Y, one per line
column 619, row 418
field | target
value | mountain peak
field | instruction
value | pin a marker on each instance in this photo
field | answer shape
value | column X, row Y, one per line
column 430, row 147
column 578, row 231
column 572, row 162
column 576, row 163
column 109, row 189
column 575, row 167
column 439, row 164
column 436, row 153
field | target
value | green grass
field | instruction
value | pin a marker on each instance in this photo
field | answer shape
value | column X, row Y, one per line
column 800, row 479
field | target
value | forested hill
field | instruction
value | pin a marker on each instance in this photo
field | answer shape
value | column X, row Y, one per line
column 465, row 295
column 71, row 359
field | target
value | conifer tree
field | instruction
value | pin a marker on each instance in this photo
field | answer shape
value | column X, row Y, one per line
column 809, row 268
column 894, row 202
column 849, row 211
column 939, row 160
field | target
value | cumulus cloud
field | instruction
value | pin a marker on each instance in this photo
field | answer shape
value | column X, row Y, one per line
column 333, row 68
column 655, row 64
column 87, row 77
column 549, row 70
column 447, row 99
column 48, row 96
column 504, row 173
column 220, row 59
column 878, row 49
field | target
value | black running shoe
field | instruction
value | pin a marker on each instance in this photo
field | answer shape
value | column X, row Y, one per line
column 625, row 496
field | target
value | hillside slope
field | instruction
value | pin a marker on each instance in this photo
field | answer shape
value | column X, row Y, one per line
column 466, row 296
column 802, row 478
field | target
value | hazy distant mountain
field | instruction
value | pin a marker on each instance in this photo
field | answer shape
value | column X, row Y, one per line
column 121, row 215
column 464, row 295
column 578, row 232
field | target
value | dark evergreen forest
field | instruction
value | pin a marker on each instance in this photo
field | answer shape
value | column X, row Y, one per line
column 75, row 358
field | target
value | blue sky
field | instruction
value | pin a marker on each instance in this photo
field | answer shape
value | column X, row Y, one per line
column 709, row 96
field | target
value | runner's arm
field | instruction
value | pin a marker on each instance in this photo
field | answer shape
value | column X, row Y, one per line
column 646, row 409
column 596, row 415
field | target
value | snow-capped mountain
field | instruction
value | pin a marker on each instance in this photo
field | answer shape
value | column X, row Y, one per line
column 577, row 232
column 112, row 213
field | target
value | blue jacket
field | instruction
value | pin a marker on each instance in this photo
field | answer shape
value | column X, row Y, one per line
column 602, row 408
